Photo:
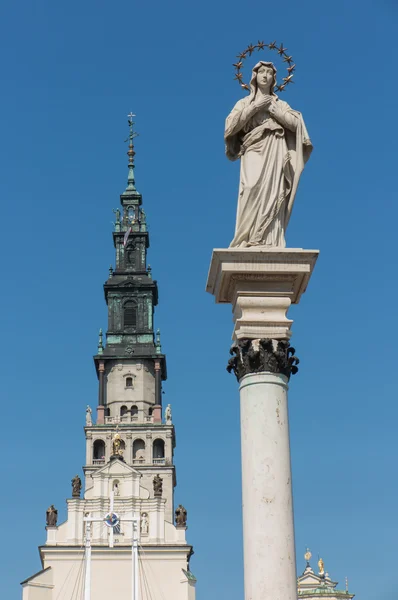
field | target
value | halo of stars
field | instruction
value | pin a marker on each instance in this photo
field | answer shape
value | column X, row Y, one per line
column 291, row 67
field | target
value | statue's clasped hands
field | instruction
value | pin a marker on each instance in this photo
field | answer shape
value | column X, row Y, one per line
column 263, row 101
column 266, row 102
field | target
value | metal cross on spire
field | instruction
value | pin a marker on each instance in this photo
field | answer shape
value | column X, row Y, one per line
column 131, row 152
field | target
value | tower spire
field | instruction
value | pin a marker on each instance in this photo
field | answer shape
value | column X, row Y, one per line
column 131, row 153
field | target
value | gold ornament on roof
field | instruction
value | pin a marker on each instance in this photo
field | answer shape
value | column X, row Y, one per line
column 321, row 566
column 308, row 555
column 117, row 444
column 291, row 67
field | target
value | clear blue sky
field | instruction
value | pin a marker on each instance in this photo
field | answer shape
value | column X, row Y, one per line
column 70, row 74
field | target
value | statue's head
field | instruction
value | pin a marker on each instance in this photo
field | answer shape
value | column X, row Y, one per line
column 263, row 78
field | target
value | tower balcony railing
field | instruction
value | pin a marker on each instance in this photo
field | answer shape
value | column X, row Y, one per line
column 129, row 419
column 98, row 461
column 154, row 461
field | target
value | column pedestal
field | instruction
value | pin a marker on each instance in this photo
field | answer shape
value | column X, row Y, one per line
column 157, row 413
column 51, row 536
column 261, row 284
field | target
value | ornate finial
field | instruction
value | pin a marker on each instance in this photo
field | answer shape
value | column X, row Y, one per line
column 142, row 219
column 131, row 153
column 100, row 344
column 321, row 567
column 149, row 269
column 158, row 344
column 117, row 222
column 346, row 584
column 307, row 556
column 110, row 271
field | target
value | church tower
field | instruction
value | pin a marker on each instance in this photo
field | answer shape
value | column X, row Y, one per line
column 123, row 538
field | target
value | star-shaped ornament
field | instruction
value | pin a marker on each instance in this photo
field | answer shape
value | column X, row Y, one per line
column 281, row 50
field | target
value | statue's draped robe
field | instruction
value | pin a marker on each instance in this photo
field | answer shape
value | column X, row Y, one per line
column 273, row 152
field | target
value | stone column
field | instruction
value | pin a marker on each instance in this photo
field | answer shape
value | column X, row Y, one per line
column 157, row 409
column 101, row 395
column 261, row 284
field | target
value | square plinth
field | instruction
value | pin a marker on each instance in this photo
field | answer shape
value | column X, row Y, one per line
column 260, row 284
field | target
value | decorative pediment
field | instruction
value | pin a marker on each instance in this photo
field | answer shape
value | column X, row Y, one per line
column 309, row 578
column 116, row 468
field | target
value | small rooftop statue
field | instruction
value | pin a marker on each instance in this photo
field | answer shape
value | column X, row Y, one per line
column 117, row 449
column 89, row 414
column 321, row 567
column 167, row 415
column 157, row 486
column 51, row 516
column 181, row 516
column 76, row 486
column 273, row 145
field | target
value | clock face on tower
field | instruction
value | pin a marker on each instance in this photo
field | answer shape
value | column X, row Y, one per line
column 111, row 519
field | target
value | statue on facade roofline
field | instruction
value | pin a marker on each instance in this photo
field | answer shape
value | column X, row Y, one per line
column 321, row 567
column 272, row 142
column 89, row 413
column 167, row 415
column 157, row 486
column 181, row 516
column 51, row 516
column 76, row 486
column 117, row 445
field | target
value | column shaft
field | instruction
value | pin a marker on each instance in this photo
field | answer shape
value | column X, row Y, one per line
column 268, row 530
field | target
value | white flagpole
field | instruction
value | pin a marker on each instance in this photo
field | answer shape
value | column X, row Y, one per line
column 111, row 511
column 134, row 583
column 87, row 582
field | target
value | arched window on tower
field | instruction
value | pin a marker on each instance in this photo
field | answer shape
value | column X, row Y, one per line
column 134, row 411
column 99, row 452
column 158, row 452
column 130, row 314
column 123, row 411
column 129, row 382
column 138, row 451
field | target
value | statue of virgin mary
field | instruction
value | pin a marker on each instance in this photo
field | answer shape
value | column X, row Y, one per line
column 273, row 144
